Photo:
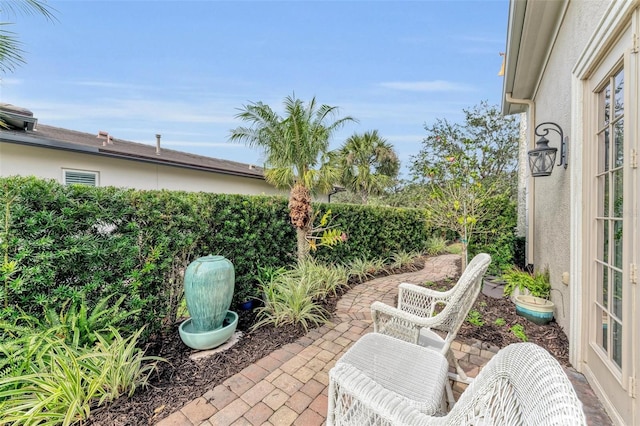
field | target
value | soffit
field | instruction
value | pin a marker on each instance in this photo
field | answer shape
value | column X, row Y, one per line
column 531, row 32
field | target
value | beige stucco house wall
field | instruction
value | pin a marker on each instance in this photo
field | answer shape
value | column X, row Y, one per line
column 16, row 159
column 561, row 57
column 552, row 194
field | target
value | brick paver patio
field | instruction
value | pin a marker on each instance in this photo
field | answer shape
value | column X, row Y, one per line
column 289, row 386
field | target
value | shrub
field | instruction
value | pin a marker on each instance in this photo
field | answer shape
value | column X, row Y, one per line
column 61, row 245
column 495, row 233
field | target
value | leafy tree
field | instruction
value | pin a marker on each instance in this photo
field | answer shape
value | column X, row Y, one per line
column 10, row 51
column 483, row 149
column 296, row 147
column 368, row 164
column 463, row 165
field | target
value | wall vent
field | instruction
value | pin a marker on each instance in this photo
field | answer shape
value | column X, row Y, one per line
column 80, row 177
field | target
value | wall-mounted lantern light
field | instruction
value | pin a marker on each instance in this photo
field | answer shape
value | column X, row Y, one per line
column 542, row 159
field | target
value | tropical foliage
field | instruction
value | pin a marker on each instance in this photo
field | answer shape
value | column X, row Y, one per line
column 11, row 54
column 296, row 149
column 368, row 164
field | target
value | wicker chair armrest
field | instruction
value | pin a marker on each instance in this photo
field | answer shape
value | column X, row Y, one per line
column 356, row 399
column 419, row 300
column 400, row 324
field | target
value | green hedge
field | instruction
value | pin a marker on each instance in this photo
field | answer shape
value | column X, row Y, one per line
column 75, row 241
column 375, row 232
column 496, row 234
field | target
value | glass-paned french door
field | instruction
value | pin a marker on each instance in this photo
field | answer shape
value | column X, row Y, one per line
column 609, row 218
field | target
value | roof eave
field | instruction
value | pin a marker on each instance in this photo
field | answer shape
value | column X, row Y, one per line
column 23, row 139
column 531, row 32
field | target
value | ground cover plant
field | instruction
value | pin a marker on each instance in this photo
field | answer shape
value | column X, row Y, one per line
column 182, row 380
column 58, row 373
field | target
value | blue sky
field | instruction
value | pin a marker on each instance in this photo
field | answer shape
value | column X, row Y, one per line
column 183, row 68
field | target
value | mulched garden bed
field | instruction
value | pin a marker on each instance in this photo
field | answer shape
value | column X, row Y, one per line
column 181, row 380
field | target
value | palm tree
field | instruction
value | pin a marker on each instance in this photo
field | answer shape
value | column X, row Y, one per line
column 368, row 164
column 10, row 52
column 296, row 148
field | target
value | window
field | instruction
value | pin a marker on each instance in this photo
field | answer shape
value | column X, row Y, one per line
column 80, row 177
column 610, row 217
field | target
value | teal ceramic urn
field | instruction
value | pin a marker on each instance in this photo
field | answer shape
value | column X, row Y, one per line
column 208, row 289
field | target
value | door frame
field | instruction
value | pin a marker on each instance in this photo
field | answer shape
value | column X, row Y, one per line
column 601, row 55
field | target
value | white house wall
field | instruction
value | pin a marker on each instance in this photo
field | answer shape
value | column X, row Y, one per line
column 49, row 163
column 552, row 194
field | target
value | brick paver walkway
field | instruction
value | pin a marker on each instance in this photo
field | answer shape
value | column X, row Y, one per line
column 289, row 386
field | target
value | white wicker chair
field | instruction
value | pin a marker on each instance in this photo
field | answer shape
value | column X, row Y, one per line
column 414, row 319
column 521, row 385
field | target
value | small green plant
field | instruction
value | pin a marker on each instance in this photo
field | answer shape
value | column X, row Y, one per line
column 363, row 270
column 80, row 326
column 403, row 259
column 537, row 283
column 290, row 299
column 518, row 331
column 435, row 246
column 324, row 279
column 455, row 248
column 475, row 318
column 500, row 322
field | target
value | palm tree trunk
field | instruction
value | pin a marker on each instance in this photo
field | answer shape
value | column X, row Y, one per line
column 303, row 244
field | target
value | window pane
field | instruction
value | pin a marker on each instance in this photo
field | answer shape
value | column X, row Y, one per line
column 617, row 243
column 602, row 338
column 618, row 138
column 617, row 194
column 616, row 342
column 605, row 100
column 605, row 197
column 617, row 294
column 603, row 155
column 619, row 95
column 605, row 242
column 605, row 286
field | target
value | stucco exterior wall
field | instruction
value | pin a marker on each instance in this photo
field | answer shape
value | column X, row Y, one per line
column 48, row 163
column 552, row 193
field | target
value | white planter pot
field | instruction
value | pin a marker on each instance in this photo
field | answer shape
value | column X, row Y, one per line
column 535, row 309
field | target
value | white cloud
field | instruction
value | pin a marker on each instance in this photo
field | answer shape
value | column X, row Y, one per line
column 109, row 85
column 129, row 109
column 10, row 81
column 427, row 86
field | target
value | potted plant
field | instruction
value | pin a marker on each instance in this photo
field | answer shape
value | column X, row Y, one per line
column 493, row 286
column 532, row 300
column 248, row 296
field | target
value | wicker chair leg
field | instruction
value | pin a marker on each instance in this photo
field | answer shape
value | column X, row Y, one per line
column 460, row 375
column 450, row 399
